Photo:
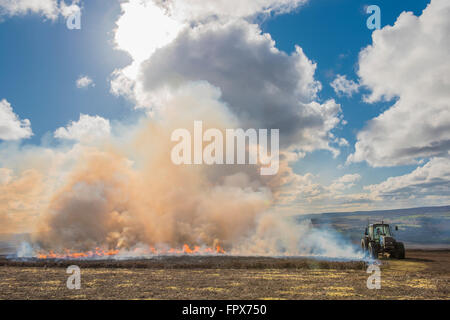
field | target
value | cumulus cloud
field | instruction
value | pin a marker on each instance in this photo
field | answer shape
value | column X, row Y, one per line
column 410, row 62
column 50, row 9
column 87, row 128
column 345, row 182
column 342, row 142
column 66, row 10
column 343, row 86
column 299, row 193
column 144, row 27
column 430, row 181
column 428, row 184
column 11, row 127
column 84, row 82
column 262, row 86
column 297, row 189
column 195, row 10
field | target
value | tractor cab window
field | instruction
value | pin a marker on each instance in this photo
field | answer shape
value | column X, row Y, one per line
column 377, row 232
column 381, row 230
column 386, row 231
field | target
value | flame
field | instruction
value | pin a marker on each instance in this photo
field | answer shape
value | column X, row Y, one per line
column 67, row 254
column 149, row 251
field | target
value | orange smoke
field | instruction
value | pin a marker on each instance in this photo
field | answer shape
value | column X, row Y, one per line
column 20, row 198
column 120, row 196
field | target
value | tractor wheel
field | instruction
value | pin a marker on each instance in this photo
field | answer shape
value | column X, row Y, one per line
column 373, row 250
column 400, row 250
column 364, row 246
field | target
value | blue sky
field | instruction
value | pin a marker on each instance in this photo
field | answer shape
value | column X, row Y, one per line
column 41, row 60
column 332, row 33
column 325, row 29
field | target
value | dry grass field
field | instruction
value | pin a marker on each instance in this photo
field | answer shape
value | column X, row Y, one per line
column 423, row 275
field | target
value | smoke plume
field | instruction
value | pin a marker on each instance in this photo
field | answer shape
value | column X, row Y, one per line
column 124, row 193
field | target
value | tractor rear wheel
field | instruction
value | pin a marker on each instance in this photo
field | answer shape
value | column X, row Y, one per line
column 400, row 250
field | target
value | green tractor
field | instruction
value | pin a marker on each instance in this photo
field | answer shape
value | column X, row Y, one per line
column 378, row 239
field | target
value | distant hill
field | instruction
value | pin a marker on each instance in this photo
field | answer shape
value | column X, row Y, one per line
column 427, row 226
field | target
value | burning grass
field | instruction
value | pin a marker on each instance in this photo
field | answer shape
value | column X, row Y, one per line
column 99, row 253
column 192, row 262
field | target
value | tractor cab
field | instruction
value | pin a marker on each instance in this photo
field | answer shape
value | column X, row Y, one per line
column 375, row 232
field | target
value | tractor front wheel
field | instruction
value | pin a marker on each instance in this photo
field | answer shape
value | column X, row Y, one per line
column 364, row 246
column 373, row 250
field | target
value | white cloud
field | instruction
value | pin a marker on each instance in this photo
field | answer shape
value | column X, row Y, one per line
column 298, row 189
column 343, row 86
column 147, row 25
column 345, row 182
column 198, row 10
column 262, row 86
column 343, row 142
column 409, row 61
column 429, row 181
column 50, row 9
column 86, row 129
column 11, row 127
column 427, row 185
column 122, row 83
column 144, row 27
column 304, row 194
column 84, row 82
column 66, row 10
column 303, row 188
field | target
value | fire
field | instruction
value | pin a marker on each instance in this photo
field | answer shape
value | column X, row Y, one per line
column 149, row 251
column 67, row 254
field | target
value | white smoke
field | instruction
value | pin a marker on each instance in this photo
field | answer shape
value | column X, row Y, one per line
column 275, row 236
